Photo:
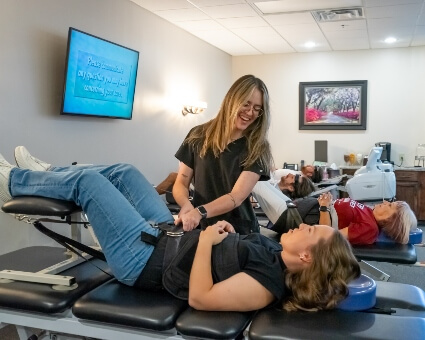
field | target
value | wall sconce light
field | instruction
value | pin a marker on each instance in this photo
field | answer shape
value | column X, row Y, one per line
column 194, row 108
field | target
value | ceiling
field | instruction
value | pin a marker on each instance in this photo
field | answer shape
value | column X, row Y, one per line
column 254, row 27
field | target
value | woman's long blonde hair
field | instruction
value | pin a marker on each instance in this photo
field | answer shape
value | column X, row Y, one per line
column 216, row 134
column 324, row 283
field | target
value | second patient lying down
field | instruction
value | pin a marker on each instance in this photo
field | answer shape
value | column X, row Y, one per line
column 359, row 223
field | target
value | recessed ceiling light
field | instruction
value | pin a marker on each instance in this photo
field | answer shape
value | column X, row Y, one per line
column 310, row 44
column 390, row 40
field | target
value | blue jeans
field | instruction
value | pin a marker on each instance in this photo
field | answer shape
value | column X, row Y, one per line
column 119, row 203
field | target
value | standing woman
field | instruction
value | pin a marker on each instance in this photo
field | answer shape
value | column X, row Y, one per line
column 225, row 157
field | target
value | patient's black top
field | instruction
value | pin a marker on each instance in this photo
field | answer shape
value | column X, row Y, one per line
column 215, row 176
column 258, row 257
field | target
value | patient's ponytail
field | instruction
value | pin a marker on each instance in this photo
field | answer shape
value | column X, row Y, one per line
column 324, row 283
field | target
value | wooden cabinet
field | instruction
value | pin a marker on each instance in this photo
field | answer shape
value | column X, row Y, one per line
column 410, row 187
column 349, row 170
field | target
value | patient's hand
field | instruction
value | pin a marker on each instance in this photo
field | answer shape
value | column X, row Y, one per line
column 325, row 199
column 214, row 234
column 226, row 226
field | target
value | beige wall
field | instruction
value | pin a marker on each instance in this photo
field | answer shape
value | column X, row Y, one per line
column 396, row 109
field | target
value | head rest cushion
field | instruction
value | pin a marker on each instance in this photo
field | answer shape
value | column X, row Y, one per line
column 415, row 237
column 361, row 294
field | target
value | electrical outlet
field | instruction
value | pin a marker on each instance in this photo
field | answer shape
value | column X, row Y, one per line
column 401, row 158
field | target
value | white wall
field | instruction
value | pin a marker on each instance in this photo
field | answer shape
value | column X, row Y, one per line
column 173, row 64
column 396, row 109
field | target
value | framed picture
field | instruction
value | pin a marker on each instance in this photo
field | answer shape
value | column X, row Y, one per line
column 333, row 105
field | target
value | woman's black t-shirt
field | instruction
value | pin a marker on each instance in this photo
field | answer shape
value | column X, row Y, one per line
column 259, row 257
column 215, row 176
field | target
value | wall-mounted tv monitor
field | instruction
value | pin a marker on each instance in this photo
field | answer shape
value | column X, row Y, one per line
column 100, row 77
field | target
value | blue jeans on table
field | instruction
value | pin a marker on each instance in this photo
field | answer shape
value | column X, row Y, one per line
column 118, row 200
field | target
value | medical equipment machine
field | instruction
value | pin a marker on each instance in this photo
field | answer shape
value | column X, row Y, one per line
column 374, row 181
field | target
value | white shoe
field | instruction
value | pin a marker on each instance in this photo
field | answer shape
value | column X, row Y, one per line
column 25, row 161
column 5, row 168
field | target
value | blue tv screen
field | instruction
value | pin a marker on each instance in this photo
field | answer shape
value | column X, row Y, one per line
column 100, row 77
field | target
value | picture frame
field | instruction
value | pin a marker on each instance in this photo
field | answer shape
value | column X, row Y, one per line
column 333, row 105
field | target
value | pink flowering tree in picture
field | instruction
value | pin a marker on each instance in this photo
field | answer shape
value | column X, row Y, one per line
column 333, row 105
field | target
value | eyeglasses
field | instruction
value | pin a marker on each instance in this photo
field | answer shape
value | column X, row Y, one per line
column 256, row 109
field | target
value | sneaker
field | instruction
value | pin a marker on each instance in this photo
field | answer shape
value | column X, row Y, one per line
column 25, row 161
column 5, row 168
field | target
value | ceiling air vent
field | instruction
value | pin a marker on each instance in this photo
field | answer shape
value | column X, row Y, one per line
column 338, row 14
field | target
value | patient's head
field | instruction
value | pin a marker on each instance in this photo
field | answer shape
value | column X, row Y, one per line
column 324, row 283
column 308, row 171
column 296, row 186
column 304, row 187
column 396, row 219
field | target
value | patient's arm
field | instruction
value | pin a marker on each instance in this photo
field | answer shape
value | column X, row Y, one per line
column 325, row 200
column 166, row 184
column 240, row 292
column 325, row 218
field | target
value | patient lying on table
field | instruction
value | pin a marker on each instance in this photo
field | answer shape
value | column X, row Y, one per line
column 122, row 206
column 359, row 223
column 293, row 183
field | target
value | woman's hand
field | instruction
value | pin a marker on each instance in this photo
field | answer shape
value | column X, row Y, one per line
column 186, row 208
column 325, row 199
column 190, row 219
column 183, row 210
column 215, row 233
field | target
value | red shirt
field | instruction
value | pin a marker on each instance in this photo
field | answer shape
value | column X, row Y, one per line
column 362, row 226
